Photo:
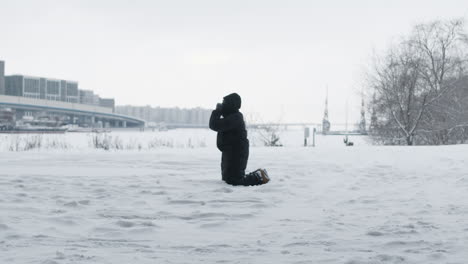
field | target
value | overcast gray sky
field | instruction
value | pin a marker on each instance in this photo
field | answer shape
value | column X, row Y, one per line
column 278, row 55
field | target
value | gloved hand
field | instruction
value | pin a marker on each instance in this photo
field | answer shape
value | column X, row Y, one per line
column 219, row 107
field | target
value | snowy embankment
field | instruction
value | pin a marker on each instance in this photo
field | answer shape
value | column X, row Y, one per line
column 324, row 205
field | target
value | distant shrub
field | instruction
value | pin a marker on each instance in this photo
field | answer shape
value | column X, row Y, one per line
column 95, row 140
column 157, row 143
column 35, row 142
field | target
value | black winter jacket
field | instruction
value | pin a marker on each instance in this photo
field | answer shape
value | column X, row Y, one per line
column 232, row 135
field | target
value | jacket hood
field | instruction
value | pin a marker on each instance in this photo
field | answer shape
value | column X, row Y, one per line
column 231, row 103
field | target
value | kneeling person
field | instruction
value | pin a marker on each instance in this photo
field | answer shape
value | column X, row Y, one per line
column 233, row 143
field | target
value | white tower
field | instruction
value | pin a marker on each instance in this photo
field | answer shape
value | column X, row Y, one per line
column 325, row 121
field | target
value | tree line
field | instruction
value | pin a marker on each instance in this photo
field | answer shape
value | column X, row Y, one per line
column 418, row 88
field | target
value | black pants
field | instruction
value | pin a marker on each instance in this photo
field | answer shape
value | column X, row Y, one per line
column 233, row 164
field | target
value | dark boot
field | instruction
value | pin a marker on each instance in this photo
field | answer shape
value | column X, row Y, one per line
column 262, row 175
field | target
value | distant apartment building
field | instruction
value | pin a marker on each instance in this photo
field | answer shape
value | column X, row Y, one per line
column 107, row 102
column 194, row 116
column 87, row 97
column 42, row 88
column 70, row 92
column 49, row 89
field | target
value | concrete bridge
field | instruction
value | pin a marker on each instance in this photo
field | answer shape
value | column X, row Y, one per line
column 89, row 114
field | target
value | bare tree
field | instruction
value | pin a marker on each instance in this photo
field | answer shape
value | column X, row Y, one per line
column 415, row 83
column 395, row 83
column 442, row 46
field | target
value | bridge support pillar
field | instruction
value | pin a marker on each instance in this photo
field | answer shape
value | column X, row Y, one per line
column 124, row 123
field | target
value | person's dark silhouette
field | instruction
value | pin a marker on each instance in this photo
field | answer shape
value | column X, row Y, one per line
column 233, row 143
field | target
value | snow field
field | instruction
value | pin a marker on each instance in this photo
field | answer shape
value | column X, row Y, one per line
column 324, row 205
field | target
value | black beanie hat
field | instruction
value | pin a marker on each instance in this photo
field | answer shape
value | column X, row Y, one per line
column 232, row 101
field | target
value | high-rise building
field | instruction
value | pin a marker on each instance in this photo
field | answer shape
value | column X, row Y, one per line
column 41, row 88
column 53, row 90
column 14, row 85
column 107, row 102
column 48, row 89
column 69, row 91
column 2, row 77
column 72, row 93
column 87, row 97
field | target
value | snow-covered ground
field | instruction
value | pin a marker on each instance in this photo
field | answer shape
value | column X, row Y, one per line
column 329, row 204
